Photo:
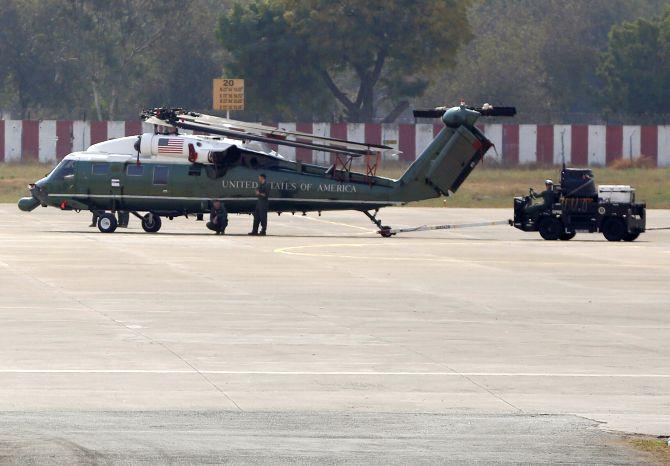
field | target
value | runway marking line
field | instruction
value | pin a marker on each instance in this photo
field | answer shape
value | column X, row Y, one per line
column 334, row 373
column 367, row 230
column 295, row 251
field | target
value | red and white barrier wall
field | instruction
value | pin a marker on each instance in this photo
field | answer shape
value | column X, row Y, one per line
column 581, row 145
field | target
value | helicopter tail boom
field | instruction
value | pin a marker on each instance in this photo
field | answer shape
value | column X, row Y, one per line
column 444, row 165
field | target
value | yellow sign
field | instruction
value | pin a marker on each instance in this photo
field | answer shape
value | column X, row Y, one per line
column 228, row 94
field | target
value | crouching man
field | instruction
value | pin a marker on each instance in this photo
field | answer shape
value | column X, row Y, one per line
column 218, row 218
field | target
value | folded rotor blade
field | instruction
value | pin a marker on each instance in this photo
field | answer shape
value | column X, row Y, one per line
column 496, row 111
column 277, row 134
column 231, row 133
column 430, row 113
column 490, row 111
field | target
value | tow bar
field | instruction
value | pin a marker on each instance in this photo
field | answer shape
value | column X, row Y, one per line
column 387, row 232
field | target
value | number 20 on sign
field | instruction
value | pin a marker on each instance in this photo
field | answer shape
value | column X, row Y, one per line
column 228, row 94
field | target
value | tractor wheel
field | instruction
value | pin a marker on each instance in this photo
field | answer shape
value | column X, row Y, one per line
column 107, row 223
column 550, row 228
column 567, row 236
column 614, row 229
column 631, row 236
column 151, row 223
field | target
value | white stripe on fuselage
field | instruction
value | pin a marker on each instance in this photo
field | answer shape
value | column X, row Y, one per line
column 180, row 198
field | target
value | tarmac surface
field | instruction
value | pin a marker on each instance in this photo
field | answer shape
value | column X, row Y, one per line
column 324, row 342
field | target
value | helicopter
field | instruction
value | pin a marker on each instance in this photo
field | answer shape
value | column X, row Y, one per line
column 167, row 174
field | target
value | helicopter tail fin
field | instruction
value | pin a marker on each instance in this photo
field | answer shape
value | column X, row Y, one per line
column 444, row 165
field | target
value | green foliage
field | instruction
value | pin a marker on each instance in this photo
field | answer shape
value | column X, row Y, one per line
column 350, row 59
column 77, row 58
column 361, row 51
column 635, row 68
column 538, row 55
column 33, row 70
column 279, row 84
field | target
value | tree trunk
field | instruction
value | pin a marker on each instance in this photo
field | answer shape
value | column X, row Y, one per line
column 96, row 100
column 111, row 110
column 395, row 113
column 361, row 110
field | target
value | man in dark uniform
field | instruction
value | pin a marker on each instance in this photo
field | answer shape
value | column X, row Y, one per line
column 261, row 212
column 547, row 199
column 218, row 218
column 123, row 218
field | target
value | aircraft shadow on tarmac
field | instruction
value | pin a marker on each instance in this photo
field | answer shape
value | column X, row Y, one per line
column 397, row 238
column 232, row 235
column 244, row 235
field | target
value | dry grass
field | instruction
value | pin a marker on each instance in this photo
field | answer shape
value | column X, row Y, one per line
column 656, row 448
column 14, row 178
column 487, row 186
column 639, row 162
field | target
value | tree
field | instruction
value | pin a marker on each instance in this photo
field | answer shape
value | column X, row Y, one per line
column 71, row 58
column 635, row 68
column 360, row 54
column 34, row 74
column 279, row 83
column 540, row 56
column 577, row 33
column 117, row 42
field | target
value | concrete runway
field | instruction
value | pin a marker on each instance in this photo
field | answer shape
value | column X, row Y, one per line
column 452, row 341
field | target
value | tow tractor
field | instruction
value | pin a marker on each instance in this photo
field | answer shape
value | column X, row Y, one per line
column 579, row 206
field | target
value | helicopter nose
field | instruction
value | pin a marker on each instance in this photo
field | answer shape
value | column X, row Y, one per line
column 27, row 204
column 38, row 196
column 39, row 190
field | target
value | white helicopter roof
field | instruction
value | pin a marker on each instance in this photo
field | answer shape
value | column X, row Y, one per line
column 98, row 157
column 126, row 145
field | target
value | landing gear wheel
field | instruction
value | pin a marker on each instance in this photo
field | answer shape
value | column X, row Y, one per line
column 385, row 232
column 151, row 223
column 107, row 223
column 567, row 236
column 550, row 228
column 631, row 236
column 614, row 229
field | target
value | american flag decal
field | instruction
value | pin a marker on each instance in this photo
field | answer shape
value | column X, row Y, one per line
column 170, row 145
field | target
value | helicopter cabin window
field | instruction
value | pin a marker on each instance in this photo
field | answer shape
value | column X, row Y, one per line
column 161, row 175
column 100, row 169
column 64, row 169
column 135, row 170
column 194, row 170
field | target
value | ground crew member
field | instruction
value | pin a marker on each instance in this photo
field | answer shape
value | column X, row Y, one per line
column 218, row 218
column 261, row 212
column 123, row 218
column 94, row 220
column 547, row 199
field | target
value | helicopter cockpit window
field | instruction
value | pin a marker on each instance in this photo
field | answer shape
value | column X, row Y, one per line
column 161, row 175
column 100, row 169
column 64, row 169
